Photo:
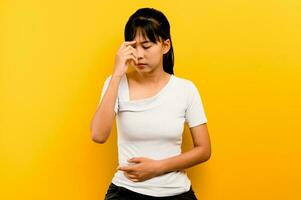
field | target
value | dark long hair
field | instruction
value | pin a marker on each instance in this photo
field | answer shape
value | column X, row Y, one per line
column 155, row 26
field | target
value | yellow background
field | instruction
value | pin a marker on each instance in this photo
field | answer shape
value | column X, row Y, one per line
column 244, row 56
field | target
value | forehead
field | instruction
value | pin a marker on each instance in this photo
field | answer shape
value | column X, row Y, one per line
column 140, row 38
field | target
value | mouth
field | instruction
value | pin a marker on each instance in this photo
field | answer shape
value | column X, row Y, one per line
column 141, row 65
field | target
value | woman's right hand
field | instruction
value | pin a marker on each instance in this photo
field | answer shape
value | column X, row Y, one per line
column 125, row 53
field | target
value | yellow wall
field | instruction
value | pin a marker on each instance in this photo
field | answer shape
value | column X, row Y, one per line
column 244, row 56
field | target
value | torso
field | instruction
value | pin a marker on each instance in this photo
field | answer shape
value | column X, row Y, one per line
column 139, row 91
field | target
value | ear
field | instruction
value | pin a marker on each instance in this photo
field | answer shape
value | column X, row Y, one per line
column 166, row 46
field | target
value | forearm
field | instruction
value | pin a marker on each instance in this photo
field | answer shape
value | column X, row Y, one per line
column 185, row 160
column 102, row 121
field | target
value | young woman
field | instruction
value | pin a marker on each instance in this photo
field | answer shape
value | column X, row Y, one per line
column 151, row 105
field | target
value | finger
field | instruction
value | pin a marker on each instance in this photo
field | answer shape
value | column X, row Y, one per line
column 131, row 50
column 131, row 57
column 135, row 160
column 128, row 43
column 131, row 177
column 134, row 173
column 135, row 52
column 131, row 53
column 126, row 169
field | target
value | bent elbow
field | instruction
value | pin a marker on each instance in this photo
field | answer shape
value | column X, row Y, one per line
column 98, row 140
column 208, row 155
column 205, row 155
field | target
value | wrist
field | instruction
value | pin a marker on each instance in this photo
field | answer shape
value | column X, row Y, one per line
column 162, row 167
column 115, row 76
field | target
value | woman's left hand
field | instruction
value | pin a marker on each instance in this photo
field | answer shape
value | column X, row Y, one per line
column 144, row 169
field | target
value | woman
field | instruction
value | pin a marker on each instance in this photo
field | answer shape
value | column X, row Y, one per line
column 151, row 105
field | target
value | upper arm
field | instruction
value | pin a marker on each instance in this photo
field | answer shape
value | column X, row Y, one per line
column 200, row 137
column 194, row 113
column 104, row 89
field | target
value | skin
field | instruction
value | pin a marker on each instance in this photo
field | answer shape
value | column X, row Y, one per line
column 150, row 77
column 150, row 53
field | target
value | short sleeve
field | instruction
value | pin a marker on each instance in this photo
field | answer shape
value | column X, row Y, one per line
column 194, row 114
column 104, row 89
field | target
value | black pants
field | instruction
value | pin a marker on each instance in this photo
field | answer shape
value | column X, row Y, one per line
column 120, row 193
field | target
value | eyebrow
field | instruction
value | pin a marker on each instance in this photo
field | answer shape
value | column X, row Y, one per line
column 145, row 41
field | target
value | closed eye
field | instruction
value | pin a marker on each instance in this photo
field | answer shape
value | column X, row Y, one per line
column 134, row 46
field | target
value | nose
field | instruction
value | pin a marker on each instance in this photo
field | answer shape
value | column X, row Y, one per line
column 140, row 52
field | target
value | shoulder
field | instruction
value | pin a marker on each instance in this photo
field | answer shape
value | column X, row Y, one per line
column 122, row 88
column 184, row 83
column 188, row 88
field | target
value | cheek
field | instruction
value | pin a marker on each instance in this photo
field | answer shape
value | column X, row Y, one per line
column 155, row 54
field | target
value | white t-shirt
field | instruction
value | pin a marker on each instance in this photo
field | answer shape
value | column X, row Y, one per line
column 153, row 127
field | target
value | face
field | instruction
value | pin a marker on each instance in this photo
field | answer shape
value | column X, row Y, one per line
column 149, row 53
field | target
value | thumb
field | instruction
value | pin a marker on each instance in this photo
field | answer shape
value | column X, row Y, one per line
column 135, row 160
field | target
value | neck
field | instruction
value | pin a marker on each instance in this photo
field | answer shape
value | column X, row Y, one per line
column 153, row 77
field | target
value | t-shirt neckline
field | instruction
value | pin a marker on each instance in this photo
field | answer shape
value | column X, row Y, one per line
column 148, row 98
